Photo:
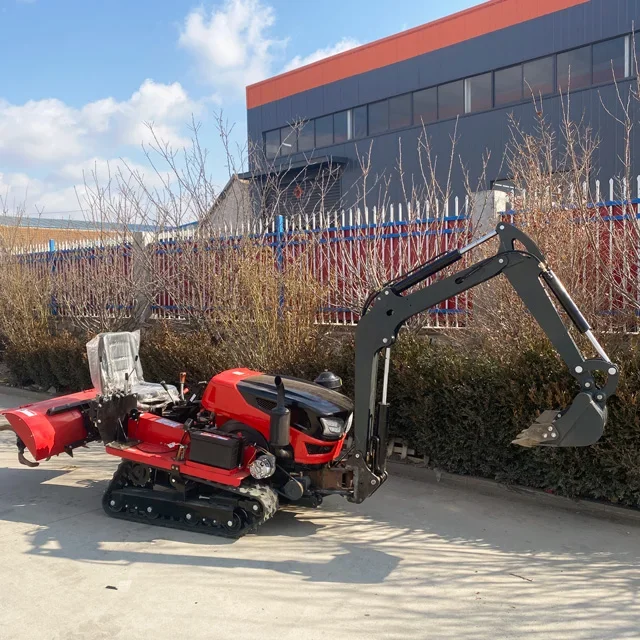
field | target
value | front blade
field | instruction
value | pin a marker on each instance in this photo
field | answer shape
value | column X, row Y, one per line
column 581, row 425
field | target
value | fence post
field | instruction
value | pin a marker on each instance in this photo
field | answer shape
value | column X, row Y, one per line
column 52, row 258
column 279, row 243
column 142, row 278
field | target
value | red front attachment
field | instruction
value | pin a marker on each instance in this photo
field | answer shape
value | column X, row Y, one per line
column 45, row 432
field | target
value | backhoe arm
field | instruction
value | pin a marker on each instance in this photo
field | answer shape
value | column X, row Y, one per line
column 582, row 424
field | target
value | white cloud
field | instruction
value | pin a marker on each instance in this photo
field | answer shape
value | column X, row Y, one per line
column 46, row 131
column 47, row 146
column 234, row 47
column 231, row 43
column 23, row 194
column 343, row 45
column 15, row 189
column 63, row 192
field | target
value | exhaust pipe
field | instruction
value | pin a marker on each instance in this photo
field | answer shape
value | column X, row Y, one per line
column 279, row 423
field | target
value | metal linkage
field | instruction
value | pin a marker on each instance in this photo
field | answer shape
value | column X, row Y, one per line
column 581, row 424
column 478, row 242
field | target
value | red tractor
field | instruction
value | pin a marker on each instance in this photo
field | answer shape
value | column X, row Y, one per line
column 222, row 457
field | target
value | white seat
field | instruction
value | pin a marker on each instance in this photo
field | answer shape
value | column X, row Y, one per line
column 114, row 364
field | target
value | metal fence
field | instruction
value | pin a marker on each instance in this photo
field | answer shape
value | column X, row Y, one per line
column 348, row 253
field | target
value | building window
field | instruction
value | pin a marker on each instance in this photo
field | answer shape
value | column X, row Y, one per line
column 610, row 60
column 306, row 138
column 508, row 85
column 272, row 143
column 341, row 127
column 574, row 69
column 450, row 100
column 359, row 122
column 378, row 117
column 324, row 131
column 538, row 77
column 288, row 140
column 425, row 106
column 400, row 111
column 478, row 93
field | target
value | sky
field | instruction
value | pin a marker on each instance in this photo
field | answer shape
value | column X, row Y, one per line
column 82, row 80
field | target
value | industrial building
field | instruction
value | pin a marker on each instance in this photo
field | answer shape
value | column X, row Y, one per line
column 463, row 75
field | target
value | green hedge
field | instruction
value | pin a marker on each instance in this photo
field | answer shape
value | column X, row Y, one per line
column 461, row 407
column 60, row 361
column 463, row 411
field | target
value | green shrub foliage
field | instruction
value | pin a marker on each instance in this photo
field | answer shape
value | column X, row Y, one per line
column 59, row 361
column 463, row 408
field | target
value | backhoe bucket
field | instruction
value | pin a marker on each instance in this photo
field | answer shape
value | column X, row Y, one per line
column 581, row 425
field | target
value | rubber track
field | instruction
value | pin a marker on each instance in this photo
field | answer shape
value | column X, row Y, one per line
column 267, row 497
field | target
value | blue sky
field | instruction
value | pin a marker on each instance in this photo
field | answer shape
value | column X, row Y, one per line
column 80, row 78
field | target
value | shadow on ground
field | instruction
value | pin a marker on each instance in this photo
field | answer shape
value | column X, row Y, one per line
column 412, row 537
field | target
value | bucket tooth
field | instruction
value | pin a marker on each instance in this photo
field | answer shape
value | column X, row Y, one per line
column 540, row 431
column 581, row 425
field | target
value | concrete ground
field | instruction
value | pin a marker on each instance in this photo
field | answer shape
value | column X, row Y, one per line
column 417, row 560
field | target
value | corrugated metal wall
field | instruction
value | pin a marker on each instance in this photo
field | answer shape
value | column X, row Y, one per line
column 573, row 27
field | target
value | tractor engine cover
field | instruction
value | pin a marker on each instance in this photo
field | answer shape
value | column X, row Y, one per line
column 216, row 449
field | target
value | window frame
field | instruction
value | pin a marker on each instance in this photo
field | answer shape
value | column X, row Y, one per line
column 413, row 106
column 308, row 123
column 570, row 76
column 266, row 153
column 506, row 103
column 626, row 70
column 317, row 120
column 375, row 104
column 291, row 147
column 347, row 113
column 468, row 94
column 449, row 84
column 363, row 108
column 526, row 89
column 409, row 97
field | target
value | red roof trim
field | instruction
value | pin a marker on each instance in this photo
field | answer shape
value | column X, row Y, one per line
column 474, row 22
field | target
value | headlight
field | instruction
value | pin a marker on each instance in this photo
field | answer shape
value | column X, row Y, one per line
column 263, row 467
column 332, row 427
column 347, row 427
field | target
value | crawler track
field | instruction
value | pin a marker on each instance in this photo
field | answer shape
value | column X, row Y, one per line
column 152, row 496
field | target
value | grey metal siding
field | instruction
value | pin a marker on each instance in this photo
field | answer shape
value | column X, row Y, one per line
column 580, row 25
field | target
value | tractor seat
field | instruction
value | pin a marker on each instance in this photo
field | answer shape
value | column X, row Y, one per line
column 114, row 364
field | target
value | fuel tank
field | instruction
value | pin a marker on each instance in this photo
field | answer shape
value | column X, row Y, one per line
column 48, row 426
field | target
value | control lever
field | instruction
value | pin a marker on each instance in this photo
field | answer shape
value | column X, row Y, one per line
column 183, row 379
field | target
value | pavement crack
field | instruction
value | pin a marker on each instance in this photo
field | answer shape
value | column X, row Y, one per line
column 515, row 575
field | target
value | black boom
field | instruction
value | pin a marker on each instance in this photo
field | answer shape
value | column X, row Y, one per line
column 582, row 424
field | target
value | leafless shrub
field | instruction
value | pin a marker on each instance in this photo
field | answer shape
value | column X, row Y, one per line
column 550, row 173
column 392, row 239
column 614, row 230
column 25, row 303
